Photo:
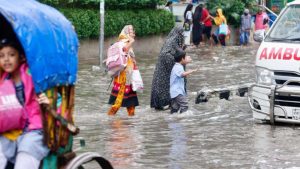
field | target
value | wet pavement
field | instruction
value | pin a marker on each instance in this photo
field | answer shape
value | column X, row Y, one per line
column 216, row 134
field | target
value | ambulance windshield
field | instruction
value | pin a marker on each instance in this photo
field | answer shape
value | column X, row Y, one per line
column 287, row 27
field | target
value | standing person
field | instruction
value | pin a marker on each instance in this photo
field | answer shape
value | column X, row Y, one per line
column 122, row 93
column 245, row 27
column 260, row 24
column 178, row 94
column 20, row 144
column 160, row 91
column 261, row 20
column 188, row 20
column 197, row 26
column 219, row 20
column 205, row 19
column 168, row 6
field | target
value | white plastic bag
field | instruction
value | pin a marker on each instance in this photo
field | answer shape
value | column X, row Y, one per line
column 258, row 35
column 137, row 81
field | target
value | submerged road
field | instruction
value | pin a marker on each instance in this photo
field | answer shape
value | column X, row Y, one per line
column 216, row 134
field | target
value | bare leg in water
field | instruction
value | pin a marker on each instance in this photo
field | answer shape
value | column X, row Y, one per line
column 131, row 110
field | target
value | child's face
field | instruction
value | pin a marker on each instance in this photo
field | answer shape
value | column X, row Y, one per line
column 183, row 61
column 9, row 59
column 186, row 60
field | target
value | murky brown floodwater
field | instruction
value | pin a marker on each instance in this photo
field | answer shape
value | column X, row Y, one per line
column 217, row 134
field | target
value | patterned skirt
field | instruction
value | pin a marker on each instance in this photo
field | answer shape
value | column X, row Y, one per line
column 129, row 98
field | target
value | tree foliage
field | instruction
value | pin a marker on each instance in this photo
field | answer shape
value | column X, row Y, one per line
column 109, row 4
column 145, row 22
column 232, row 9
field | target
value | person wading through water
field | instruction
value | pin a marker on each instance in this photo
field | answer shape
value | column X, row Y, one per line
column 122, row 93
column 160, row 92
column 197, row 26
column 219, row 20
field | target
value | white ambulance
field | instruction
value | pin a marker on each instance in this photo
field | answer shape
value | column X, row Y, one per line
column 276, row 95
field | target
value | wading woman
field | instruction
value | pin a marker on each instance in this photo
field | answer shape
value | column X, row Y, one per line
column 219, row 20
column 122, row 93
column 160, row 92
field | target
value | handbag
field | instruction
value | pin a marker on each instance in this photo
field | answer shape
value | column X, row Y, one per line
column 116, row 59
column 11, row 111
column 136, row 80
column 223, row 29
column 187, row 26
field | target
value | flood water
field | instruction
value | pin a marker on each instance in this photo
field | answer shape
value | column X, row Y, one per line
column 216, row 134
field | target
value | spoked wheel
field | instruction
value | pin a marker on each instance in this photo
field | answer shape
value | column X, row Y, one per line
column 84, row 158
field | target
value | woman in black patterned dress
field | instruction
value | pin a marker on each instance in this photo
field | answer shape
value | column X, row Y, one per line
column 160, row 93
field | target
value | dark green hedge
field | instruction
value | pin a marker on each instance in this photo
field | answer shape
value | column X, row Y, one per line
column 109, row 4
column 145, row 22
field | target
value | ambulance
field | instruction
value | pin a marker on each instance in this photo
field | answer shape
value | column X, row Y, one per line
column 275, row 97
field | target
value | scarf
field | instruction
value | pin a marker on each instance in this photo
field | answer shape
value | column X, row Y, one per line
column 220, row 18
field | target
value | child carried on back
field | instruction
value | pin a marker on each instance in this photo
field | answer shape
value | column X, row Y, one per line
column 21, row 139
column 179, row 101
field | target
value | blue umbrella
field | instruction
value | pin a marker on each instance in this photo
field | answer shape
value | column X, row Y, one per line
column 48, row 39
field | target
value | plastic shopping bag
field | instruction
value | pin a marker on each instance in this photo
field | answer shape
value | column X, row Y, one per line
column 137, row 81
column 259, row 35
column 223, row 29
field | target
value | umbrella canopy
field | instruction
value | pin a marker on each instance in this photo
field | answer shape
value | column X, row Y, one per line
column 48, row 39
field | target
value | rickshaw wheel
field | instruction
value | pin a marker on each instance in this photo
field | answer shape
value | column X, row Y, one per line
column 84, row 158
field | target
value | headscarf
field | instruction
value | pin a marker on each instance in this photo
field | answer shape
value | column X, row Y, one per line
column 246, row 11
column 221, row 18
column 125, row 32
column 175, row 39
column 160, row 92
column 197, row 15
column 124, row 36
column 189, row 7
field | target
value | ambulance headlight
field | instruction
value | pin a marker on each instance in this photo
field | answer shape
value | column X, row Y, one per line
column 264, row 76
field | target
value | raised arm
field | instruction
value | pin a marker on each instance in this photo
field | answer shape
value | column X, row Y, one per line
column 186, row 73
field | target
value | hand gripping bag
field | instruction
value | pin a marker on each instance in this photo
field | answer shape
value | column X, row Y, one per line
column 116, row 59
column 11, row 111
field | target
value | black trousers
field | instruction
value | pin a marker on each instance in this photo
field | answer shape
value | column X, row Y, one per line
column 220, row 38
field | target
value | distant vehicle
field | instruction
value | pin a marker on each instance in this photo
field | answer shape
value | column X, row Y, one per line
column 276, row 95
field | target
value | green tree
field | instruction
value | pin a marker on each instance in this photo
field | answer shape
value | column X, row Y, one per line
column 232, row 9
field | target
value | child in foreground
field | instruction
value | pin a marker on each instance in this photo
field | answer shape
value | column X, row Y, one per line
column 178, row 94
column 22, row 144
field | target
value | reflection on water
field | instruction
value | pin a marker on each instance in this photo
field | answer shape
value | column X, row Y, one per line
column 122, row 143
column 178, row 147
column 217, row 134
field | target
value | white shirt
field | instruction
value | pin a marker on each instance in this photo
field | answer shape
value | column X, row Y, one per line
column 189, row 15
